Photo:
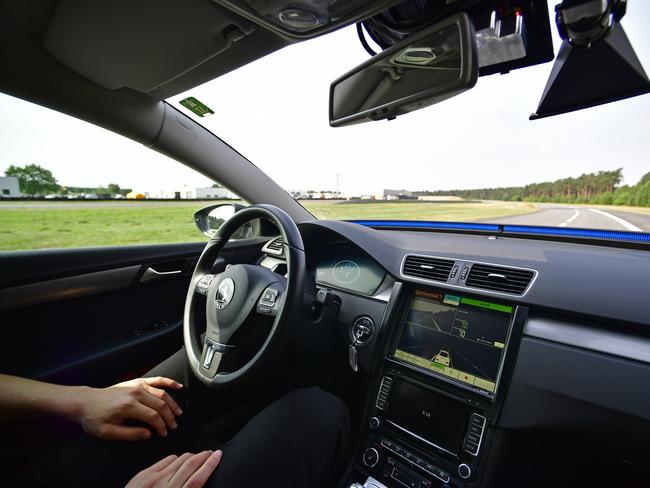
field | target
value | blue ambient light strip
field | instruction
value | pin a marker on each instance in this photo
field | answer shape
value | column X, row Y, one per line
column 612, row 235
column 415, row 224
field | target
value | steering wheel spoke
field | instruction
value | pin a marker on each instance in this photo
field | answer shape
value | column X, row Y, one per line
column 203, row 284
column 212, row 355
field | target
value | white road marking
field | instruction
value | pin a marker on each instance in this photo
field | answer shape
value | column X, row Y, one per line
column 621, row 221
column 573, row 217
column 570, row 219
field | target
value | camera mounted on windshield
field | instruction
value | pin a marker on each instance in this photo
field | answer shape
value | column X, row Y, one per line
column 585, row 22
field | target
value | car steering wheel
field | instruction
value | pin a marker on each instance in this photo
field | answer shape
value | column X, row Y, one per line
column 235, row 298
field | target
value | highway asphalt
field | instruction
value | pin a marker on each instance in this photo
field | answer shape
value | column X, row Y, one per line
column 581, row 217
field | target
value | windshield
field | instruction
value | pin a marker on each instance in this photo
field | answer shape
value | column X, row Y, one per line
column 475, row 157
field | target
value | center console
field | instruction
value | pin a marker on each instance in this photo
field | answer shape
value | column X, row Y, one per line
column 437, row 392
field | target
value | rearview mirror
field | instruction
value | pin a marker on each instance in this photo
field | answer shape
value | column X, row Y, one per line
column 428, row 67
column 210, row 218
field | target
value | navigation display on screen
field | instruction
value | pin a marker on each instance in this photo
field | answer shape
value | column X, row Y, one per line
column 458, row 337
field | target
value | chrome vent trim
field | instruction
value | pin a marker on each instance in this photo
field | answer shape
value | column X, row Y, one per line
column 274, row 247
column 513, row 281
column 428, row 268
column 458, row 283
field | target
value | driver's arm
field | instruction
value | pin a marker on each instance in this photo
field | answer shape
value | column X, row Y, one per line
column 102, row 412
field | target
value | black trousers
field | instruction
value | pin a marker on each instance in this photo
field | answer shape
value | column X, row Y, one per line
column 300, row 440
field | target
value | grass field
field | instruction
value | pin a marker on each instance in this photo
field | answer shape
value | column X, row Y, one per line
column 39, row 225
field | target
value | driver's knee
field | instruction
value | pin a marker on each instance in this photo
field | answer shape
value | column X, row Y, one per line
column 299, row 440
column 313, row 409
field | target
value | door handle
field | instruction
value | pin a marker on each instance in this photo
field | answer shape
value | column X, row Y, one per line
column 151, row 274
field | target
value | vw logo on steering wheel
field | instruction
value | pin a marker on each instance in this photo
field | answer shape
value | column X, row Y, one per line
column 224, row 293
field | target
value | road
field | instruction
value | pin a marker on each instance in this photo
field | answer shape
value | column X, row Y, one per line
column 582, row 217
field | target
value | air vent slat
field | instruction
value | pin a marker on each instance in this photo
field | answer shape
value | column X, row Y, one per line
column 505, row 280
column 427, row 268
column 276, row 245
column 508, row 279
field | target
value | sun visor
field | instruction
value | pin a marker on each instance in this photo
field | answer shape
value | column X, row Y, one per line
column 585, row 77
column 140, row 44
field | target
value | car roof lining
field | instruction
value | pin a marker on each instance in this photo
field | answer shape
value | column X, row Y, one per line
column 184, row 42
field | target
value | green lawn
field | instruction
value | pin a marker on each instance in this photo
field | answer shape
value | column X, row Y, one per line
column 39, row 225
column 452, row 211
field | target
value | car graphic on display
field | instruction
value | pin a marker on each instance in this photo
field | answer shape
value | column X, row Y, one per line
column 442, row 357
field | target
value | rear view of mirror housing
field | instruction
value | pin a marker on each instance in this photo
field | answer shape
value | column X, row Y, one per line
column 428, row 67
column 210, row 218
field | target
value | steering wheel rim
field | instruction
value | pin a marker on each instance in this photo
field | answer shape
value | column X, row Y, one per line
column 289, row 303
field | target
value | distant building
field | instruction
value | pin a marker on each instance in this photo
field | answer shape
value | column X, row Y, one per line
column 9, row 187
column 209, row 192
column 187, row 193
column 399, row 195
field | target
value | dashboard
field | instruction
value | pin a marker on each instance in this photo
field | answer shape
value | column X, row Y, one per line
column 468, row 342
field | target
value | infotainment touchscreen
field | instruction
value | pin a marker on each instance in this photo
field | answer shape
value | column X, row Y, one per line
column 434, row 418
column 455, row 336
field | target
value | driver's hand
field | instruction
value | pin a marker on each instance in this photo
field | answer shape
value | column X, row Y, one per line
column 103, row 412
column 185, row 471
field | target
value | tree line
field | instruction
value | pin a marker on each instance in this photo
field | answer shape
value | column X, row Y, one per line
column 34, row 180
column 602, row 188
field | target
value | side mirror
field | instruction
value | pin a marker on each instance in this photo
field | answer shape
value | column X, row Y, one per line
column 428, row 67
column 210, row 218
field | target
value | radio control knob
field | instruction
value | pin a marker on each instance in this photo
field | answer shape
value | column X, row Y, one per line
column 464, row 471
column 370, row 457
column 374, row 422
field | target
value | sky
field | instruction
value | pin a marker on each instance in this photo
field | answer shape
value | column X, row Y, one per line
column 274, row 111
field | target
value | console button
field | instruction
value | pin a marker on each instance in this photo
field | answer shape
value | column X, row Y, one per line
column 475, row 430
column 477, row 419
column 474, row 438
column 404, row 478
column 470, row 447
column 464, row 471
column 370, row 457
column 374, row 422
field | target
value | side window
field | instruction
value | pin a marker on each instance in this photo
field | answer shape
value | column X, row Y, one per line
column 66, row 183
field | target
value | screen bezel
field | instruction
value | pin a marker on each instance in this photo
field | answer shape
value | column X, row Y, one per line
column 409, row 295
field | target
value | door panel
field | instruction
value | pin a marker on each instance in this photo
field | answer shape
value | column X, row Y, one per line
column 97, row 316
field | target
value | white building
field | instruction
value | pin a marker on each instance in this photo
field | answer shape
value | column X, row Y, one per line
column 188, row 193
column 219, row 193
column 9, row 187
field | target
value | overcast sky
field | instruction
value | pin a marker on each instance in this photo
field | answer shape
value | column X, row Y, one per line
column 274, row 111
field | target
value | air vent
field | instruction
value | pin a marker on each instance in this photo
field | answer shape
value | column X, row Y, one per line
column 275, row 244
column 427, row 268
column 496, row 278
column 274, row 247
